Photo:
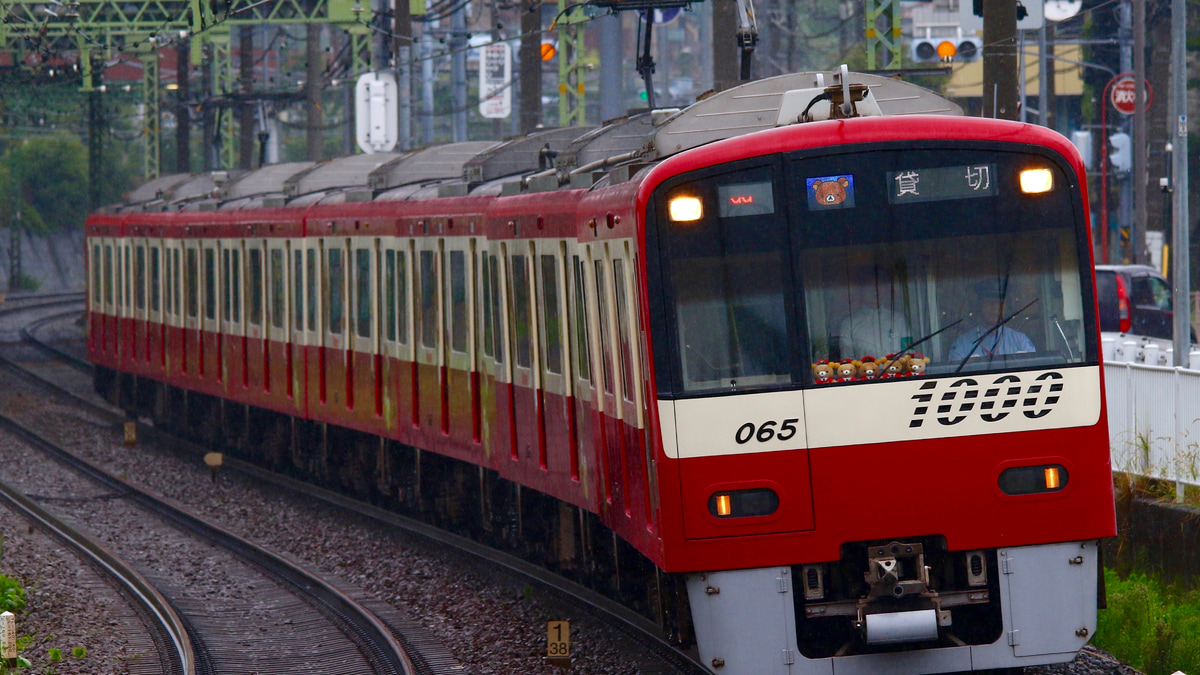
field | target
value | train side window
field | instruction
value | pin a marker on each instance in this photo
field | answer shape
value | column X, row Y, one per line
column 458, row 301
column 311, row 296
column 335, row 314
column 210, row 283
column 277, row 286
column 169, row 278
column 155, row 279
column 550, row 314
column 227, row 275
column 429, row 319
column 126, row 279
column 497, row 325
column 254, row 280
column 298, row 290
column 388, row 301
column 236, row 292
column 485, row 272
column 605, row 340
column 623, row 330
column 402, row 297
column 108, row 270
column 140, row 277
column 521, row 318
column 362, row 292
column 191, row 282
column 583, row 354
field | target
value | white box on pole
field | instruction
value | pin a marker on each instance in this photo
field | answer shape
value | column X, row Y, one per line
column 376, row 100
column 495, row 80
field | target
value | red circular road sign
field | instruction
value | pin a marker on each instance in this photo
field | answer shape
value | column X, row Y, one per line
column 1123, row 94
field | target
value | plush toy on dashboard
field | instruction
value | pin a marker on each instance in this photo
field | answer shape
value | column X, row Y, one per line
column 916, row 364
column 847, row 371
column 823, row 371
column 868, row 369
column 893, row 366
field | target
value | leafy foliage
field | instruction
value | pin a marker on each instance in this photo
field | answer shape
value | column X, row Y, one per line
column 49, row 173
column 12, row 594
column 1153, row 628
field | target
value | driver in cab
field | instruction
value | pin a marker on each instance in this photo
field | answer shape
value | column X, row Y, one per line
column 990, row 337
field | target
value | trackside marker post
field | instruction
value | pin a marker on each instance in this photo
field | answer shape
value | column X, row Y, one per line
column 131, row 433
column 558, row 643
column 8, row 638
column 213, row 460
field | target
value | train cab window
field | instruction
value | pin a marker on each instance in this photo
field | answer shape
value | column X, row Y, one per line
column 458, row 301
column 402, row 297
column 429, row 317
column 192, row 283
column 485, row 267
column 140, row 278
column 335, row 307
column 582, row 353
column 298, row 290
column 311, row 291
column 521, row 318
column 388, row 301
column 277, row 288
column 254, row 286
column 362, row 292
column 550, row 314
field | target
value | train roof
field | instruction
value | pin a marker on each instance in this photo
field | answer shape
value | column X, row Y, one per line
column 545, row 160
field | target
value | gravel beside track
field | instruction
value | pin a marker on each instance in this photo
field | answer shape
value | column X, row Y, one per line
column 489, row 621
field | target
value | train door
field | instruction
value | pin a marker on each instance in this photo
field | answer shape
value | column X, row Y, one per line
column 211, row 358
column 158, row 332
column 526, row 368
column 459, row 392
column 191, row 300
column 505, row 371
column 608, row 413
column 275, row 349
column 363, row 369
column 125, row 303
column 637, row 462
column 554, row 404
column 141, row 326
column 232, row 326
column 485, row 346
column 95, row 335
column 387, row 308
column 430, row 348
column 334, row 346
column 170, row 308
column 255, row 355
column 298, row 387
column 585, row 398
column 108, row 337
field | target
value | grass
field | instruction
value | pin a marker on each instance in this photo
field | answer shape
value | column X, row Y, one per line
column 1151, row 626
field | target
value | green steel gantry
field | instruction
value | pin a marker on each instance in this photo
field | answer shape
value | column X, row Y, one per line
column 36, row 31
column 883, row 33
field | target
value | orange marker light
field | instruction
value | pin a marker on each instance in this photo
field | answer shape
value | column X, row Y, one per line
column 724, row 505
column 946, row 49
column 1052, row 481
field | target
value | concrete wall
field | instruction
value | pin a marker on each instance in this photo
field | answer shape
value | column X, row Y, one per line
column 56, row 261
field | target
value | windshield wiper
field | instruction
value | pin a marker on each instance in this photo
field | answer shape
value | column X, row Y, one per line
column 911, row 346
column 993, row 329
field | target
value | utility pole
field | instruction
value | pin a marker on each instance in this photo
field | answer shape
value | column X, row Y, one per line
column 245, row 106
column 183, row 113
column 312, row 92
column 1000, row 59
column 1181, row 275
column 403, row 49
column 1125, row 191
column 458, row 71
column 1140, row 172
column 725, row 50
column 531, row 65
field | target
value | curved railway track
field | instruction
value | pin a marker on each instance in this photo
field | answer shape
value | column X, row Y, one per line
column 290, row 636
column 572, row 598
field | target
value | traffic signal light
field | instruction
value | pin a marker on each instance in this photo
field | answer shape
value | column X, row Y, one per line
column 936, row 49
column 1122, row 155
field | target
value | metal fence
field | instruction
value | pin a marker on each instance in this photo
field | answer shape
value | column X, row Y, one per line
column 1153, row 412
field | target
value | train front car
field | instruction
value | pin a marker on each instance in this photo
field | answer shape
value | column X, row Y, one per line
column 875, row 353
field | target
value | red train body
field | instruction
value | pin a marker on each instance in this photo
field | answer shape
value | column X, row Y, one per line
column 652, row 373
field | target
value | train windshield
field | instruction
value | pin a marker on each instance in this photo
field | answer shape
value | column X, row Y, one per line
column 855, row 267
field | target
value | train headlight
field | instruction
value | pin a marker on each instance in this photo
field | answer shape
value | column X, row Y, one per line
column 1034, row 181
column 743, row 503
column 685, row 209
column 1030, row 480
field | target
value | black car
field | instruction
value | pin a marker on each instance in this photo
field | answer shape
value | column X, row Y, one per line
column 1134, row 299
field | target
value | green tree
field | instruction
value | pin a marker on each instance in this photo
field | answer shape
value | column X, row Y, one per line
column 49, row 173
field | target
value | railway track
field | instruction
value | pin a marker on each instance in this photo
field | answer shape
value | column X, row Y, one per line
column 273, row 616
column 569, row 599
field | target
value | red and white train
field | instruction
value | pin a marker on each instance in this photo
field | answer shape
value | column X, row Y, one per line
column 617, row 351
